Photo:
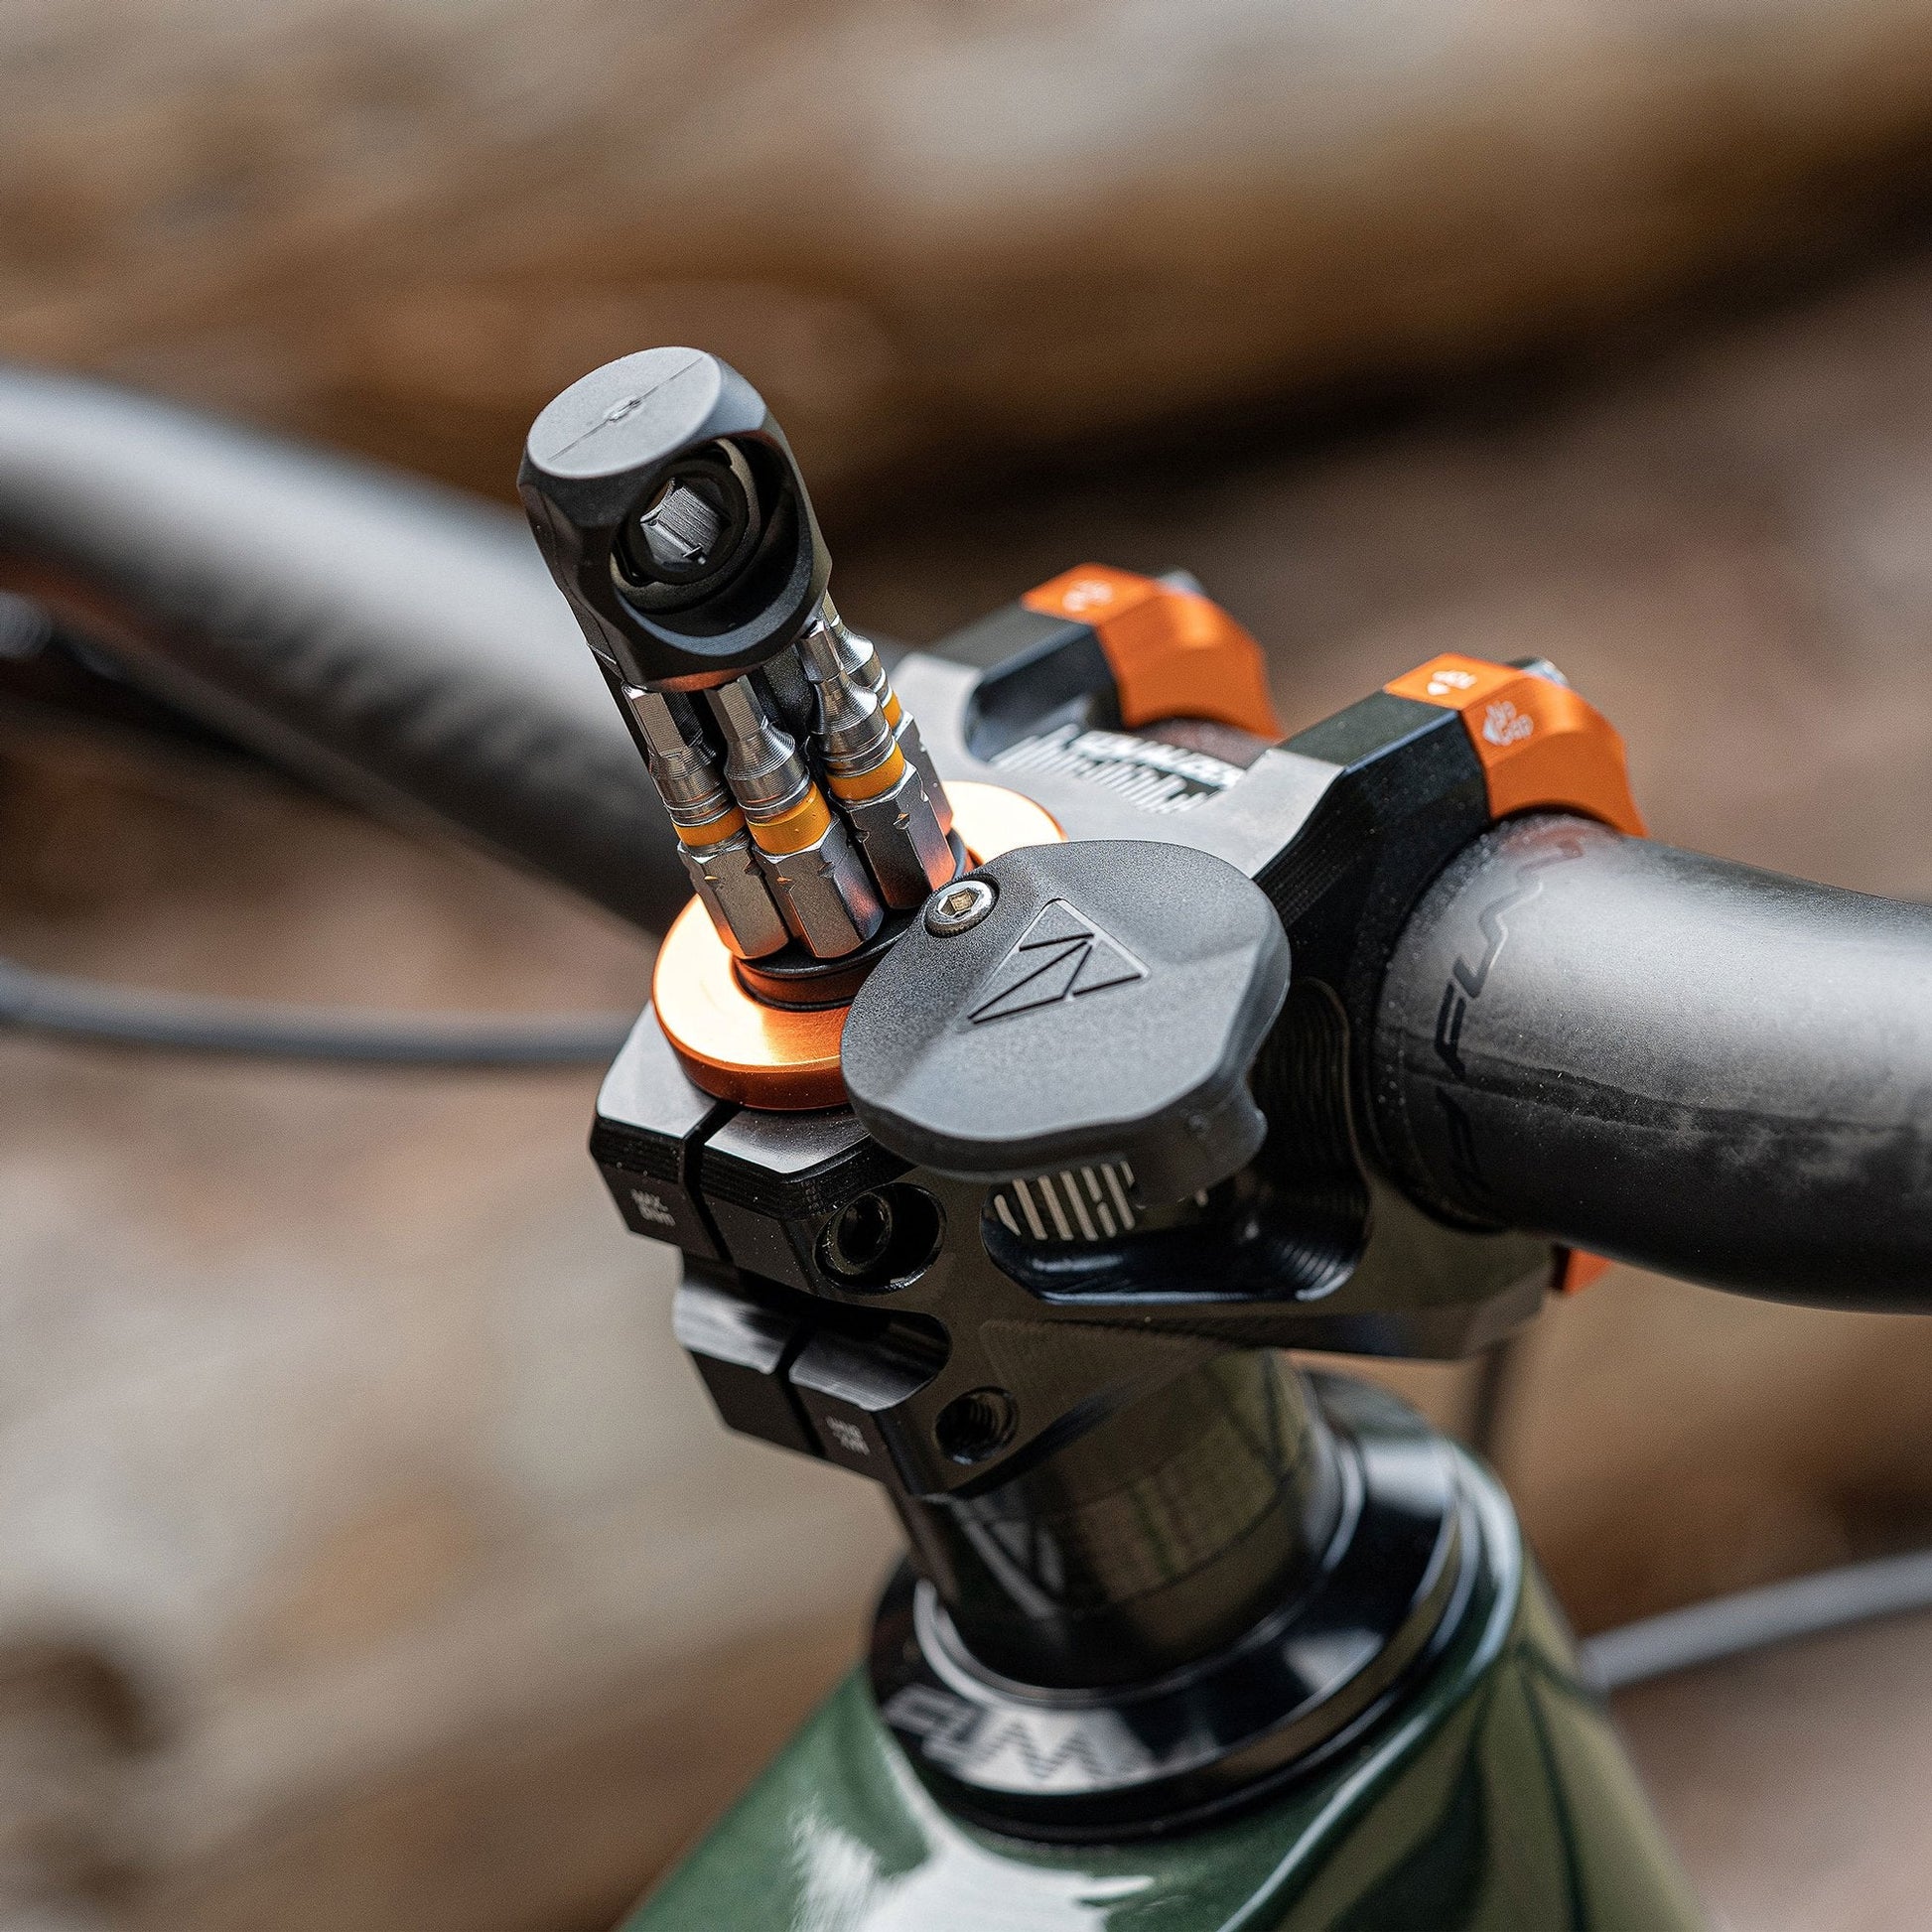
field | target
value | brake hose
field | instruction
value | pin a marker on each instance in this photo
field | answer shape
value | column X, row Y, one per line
column 89, row 1009
column 1755, row 1619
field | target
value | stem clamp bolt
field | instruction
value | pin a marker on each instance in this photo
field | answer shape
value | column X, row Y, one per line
column 959, row 907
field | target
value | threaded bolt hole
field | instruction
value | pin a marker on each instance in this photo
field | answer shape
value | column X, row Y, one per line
column 882, row 1240
column 974, row 1425
column 862, row 1235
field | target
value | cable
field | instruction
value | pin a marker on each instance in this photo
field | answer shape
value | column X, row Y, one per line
column 77, row 1009
column 1755, row 1619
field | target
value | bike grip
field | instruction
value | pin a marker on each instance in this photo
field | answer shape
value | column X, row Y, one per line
column 392, row 639
column 1711, row 1071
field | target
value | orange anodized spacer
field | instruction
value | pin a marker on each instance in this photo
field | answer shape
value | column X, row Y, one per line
column 1541, row 744
column 784, row 1058
column 1575, row 1268
column 1542, row 747
column 1174, row 654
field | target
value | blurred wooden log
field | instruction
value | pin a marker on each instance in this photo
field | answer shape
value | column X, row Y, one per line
column 339, row 1412
column 1794, row 1780
column 406, row 226
column 70, row 1731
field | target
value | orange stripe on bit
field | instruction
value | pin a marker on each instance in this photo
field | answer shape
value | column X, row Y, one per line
column 721, row 827
column 792, row 831
column 868, row 785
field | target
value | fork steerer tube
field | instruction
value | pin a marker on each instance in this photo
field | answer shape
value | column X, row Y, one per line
column 1152, row 1541
column 1208, row 1595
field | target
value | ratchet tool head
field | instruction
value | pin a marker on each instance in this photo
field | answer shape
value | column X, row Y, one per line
column 674, row 519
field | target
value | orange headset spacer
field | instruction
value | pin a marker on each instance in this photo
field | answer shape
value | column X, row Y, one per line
column 785, row 1057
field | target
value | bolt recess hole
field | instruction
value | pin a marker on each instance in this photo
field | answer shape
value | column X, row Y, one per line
column 971, row 1426
column 959, row 907
column 883, row 1239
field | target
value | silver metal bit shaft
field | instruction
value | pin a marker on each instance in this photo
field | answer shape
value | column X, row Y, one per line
column 898, row 833
column 882, row 795
column 728, row 879
column 713, row 842
column 853, row 730
column 921, row 760
column 862, row 661
column 763, row 766
column 803, row 849
column 682, row 764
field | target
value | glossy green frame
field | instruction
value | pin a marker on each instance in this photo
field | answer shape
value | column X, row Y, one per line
column 1494, row 1797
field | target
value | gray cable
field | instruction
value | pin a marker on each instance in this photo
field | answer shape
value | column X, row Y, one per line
column 1755, row 1619
column 77, row 1009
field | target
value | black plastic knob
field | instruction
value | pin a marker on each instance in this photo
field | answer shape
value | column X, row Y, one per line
column 672, row 514
column 1106, row 1008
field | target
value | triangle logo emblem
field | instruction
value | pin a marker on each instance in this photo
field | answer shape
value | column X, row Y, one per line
column 1062, row 955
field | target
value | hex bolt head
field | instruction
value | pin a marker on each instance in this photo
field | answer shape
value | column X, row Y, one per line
column 826, row 892
column 959, row 907
column 898, row 832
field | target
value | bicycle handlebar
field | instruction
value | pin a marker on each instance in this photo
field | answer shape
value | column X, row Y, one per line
column 1709, row 1070
column 390, row 638
column 1716, row 1072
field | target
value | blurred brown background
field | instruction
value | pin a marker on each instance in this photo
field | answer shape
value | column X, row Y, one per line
column 369, row 1557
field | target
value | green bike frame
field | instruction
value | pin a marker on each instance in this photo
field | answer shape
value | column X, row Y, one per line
column 1493, row 1797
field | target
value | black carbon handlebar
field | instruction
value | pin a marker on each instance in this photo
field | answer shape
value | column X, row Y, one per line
column 397, row 641
column 1709, row 1070
column 1716, row 1072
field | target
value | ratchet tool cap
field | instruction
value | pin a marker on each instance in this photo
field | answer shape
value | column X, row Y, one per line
column 672, row 514
column 1106, row 1007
